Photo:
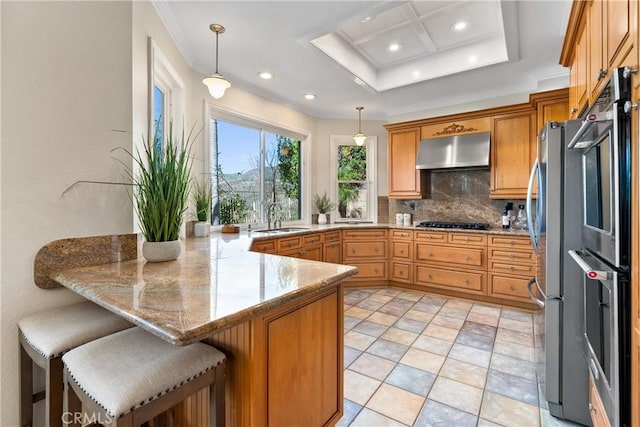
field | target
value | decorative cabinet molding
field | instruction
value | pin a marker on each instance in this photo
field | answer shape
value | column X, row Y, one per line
column 458, row 127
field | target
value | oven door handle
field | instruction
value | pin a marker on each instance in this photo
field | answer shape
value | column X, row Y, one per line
column 590, row 272
column 532, row 295
column 591, row 120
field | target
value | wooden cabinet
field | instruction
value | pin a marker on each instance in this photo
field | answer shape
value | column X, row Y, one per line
column 332, row 247
column 269, row 246
column 512, row 264
column 452, row 262
column 367, row 250
column 401, row 263
column 551, row 106
column 513, row 153
column 578, row 74
column 597, row 63
column 405, row 182
column 596, row 407
column 618, row 27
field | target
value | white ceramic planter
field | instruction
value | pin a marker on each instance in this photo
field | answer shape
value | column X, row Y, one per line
column 201, row 229
column 322, row 218
column 161, row 251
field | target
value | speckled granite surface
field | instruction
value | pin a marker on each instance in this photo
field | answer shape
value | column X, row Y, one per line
column 215, row 283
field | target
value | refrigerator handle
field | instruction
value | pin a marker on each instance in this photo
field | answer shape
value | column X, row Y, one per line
column 532, row 232
column 533, row 297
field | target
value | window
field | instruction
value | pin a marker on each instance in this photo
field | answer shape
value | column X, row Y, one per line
column 160, row 108
column 254, row 174
column 353, row 170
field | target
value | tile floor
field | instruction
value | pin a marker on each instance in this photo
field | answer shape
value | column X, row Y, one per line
column 413, row 359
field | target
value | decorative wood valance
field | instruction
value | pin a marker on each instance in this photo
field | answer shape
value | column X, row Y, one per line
column 454, row 128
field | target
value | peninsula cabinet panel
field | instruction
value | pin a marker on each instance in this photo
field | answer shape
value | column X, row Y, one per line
column 513, row 152
column 405, row 182
column 467, row 281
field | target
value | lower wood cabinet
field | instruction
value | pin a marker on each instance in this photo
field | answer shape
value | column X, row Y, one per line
column 467, row 281
column 401, row 264
column 512, row 263
column 596, row 407
column 366, row 249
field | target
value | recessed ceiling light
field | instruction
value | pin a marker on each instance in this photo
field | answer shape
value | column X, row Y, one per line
column 265, row 75
column 309, row 96
column 459, row 26
column 394, row 47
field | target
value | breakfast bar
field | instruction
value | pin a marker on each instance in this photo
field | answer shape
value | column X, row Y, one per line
column 278, row 319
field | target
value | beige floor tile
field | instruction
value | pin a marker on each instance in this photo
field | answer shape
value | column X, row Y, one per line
column 503, row 410
column 396, row 403
column 381, row 298
column 523, row 352
column 411, row 296
column 357, row 340
column 485, row 309
column 383, row 318
column 389, row 292
column 420, row 316
column 459, row 305
column 369, row 418
column 516, row 325
column 359, row 388
column 457, row 395
column 432, row 345
column 515, row 337
column 400, row 336
column 441, row 332
column 453, row 312
column 485, row 319
column 464, row 372
column 372, row 366
column 360, row 313
column 447, row 322
column 424, row 360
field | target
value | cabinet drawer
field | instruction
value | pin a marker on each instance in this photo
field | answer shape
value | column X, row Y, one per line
column 265, row 246
column 514, row 288
column 402, row 235
column 512, row 255
column 401, row 271
column 402, row 250
column 468, row 239
column 289, row 243
column 311, row 239
column 370, row 270
column 372, row 249
column 364, row 234
column 450, row 279
column 528, row 270
column 332, row 236
column 467, row 257
column 431, row 236
column 522, row 242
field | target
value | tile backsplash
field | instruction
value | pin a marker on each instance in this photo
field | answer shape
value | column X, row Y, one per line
column 457, row 195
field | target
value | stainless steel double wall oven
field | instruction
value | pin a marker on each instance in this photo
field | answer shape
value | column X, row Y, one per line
column 604, row 142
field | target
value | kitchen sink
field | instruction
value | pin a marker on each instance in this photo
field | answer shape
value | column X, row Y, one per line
column 281, row 230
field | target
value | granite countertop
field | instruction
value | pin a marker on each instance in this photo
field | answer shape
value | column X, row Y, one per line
column 216, row 283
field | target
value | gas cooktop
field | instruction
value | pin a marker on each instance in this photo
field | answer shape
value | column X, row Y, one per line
column 459, row 225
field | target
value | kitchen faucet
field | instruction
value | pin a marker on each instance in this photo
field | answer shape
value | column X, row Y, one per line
column 271, row 211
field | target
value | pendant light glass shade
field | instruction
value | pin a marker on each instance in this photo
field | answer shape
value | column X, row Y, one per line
column 359, row 137
column 216, row 83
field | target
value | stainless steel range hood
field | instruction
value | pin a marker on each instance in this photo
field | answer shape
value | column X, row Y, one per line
column 461, row 151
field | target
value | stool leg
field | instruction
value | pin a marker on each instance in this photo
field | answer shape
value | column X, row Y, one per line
column 219, row 390
column 54, row 388
column 26, row 389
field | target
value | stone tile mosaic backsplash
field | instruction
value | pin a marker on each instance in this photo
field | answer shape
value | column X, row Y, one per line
column 460, row 195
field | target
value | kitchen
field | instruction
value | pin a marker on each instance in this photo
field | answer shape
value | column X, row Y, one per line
column 52, row 58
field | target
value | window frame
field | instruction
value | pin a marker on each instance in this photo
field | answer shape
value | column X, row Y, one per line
column 372, row 182
column 212, row 111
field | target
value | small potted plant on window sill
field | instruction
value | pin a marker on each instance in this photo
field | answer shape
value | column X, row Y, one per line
column 202, row 197
column 323, row 206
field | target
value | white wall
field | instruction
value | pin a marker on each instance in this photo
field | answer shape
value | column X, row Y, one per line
column 66, row 80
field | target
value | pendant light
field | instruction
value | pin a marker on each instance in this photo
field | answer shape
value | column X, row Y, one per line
column 360, row 137
column 216, row 83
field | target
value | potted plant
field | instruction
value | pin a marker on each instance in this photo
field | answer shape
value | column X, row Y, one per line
column 323, row 206
column 161, row 193
column 202, row 196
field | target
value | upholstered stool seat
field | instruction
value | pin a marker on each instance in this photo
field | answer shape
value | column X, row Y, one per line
column 44, row 337
column 130, row 377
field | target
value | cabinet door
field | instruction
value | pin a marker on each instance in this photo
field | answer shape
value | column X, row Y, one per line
column 578, row 74
column 618, row 30
column 597, row 69
column 332, row 252
column 513, row 152
column 404, row 180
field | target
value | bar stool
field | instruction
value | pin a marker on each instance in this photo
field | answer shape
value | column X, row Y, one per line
column 130, row 377
column 44, row 337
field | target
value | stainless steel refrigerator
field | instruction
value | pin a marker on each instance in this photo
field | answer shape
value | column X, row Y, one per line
column 555, row 226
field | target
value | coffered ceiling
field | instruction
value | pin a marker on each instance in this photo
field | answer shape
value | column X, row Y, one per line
column 395, row 58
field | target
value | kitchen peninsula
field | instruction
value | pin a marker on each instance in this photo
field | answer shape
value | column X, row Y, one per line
column 277, row 319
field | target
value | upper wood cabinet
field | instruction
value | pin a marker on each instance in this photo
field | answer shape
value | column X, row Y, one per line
column 617, row 27
column 405, row 182
column 512, row 154
column 597, row 65
column 578, row 75
column 551, row 106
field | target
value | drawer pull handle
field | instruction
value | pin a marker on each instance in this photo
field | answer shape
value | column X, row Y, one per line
column 466, row 281
column 511, row 288
column 466, row 239
column 303, row 252
column 375, row 270
column 429, row 276
column 467, row 258
column 353, row 251
column 376, row 250
column 429, row 237
column 401, row 251
column 511, row 268
column 430, row 254
column 511, row 242
column 511, row 255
